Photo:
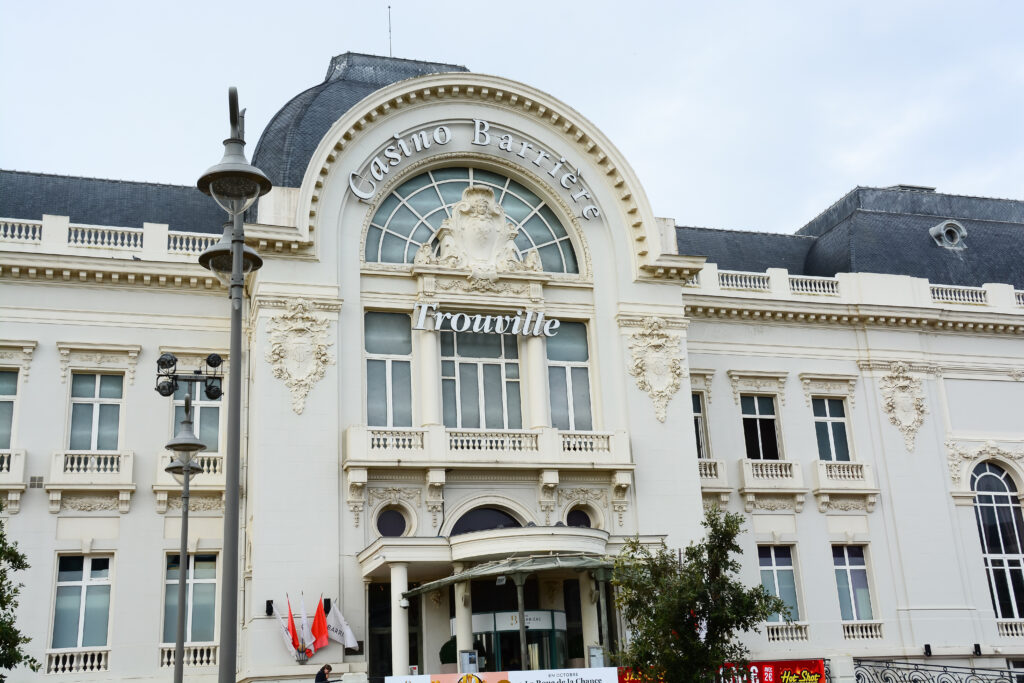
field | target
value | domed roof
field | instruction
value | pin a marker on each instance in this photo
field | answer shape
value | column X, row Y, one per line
column 291, row 137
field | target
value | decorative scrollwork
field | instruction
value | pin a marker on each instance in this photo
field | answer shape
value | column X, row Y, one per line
column 299, row 349
column 903, row 401
column 656, row 363
column 872, row 671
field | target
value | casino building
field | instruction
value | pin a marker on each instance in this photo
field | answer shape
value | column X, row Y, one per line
column 476, row 362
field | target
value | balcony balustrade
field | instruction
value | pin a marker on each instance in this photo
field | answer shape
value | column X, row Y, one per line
column 862, row 630
column 78, row 661
column 12, row 478
column 439, row 447
column 195, row 655
column 210, row 480
column 713, row 479
column 100, row 480
column 786, row 633
column 844, row 486
column 772, row 485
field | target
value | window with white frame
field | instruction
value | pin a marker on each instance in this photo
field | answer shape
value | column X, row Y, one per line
column 852, row 582
column 81, row 612
column 95, row 411
column 480, row 380
column 760, row 429
column 779, row 578
column 1001, row 528
column 388, row 340
column 830, row 428
column 700, row 425
column 8, row 392
column 569, row 378
column 200, row 598
column 205, row 414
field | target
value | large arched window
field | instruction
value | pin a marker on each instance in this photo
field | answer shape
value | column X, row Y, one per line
column 1000, row 525
column 411, row 214
column 484, row 518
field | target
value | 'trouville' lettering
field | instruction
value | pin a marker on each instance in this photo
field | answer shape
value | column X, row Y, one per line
column 531, row 323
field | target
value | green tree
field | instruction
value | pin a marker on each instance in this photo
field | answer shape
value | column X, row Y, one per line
column 685, row 614
column 12, row 642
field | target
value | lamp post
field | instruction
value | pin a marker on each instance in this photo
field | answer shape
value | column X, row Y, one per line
column 234, row 184
column 185, row 445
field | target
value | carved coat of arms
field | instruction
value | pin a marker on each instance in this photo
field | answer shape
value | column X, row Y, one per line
column 656, row 363
column 478, row 238
column 903, row 401
column 299, row 350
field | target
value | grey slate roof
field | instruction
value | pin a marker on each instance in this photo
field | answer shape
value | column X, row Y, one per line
column 95, row 201
column 750, row 251
column 291, row 137
column 882, row 230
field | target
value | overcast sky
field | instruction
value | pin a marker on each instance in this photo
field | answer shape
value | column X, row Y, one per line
column 747, row 115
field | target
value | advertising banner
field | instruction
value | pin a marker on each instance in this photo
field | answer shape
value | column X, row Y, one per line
column 783, row 671
column 603, row 675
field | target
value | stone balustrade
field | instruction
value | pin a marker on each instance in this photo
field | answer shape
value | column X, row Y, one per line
column 99, row 480
column 772, row 485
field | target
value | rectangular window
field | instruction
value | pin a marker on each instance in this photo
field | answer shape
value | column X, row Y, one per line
column 852, row 582
column 778, row 578
column 82, row 608
column 205, row 415
column 95, row 411
column 760, row 431
column 388, row 338
column 830, row 428
column 8, row 390
column 200, row 597
column 480, row 380
column 700, row 425
column 569, row 378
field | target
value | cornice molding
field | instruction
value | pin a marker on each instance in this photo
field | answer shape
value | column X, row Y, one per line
column 758, row 382
column 62, row 269
column 18, row 352
column 98, row 356
column 817, row 384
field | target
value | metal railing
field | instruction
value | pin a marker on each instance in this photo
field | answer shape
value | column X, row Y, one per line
column 879, row 671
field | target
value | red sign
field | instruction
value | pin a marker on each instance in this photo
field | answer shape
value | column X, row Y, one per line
column 787, row 671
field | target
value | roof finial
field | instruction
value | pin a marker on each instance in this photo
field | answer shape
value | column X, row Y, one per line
column 389, row 32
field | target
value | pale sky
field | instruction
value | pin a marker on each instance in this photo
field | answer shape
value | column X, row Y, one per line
column 745, row 115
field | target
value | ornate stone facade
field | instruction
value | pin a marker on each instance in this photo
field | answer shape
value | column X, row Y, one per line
column 656, row 363
column 903, row 401
column 299, row 343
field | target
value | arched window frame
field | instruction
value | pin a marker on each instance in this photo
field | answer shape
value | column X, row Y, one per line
column 534, row 184
column 1000, row 521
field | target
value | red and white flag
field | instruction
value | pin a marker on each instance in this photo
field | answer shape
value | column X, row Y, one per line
column 319, row 626
column 338, row 629
column 291, row 627
column 307, row 632
column 288, row 634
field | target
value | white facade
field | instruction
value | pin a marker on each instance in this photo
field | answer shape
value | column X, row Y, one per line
column 929, row 379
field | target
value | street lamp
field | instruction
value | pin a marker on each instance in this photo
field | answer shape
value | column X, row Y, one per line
column 185, row 444
column 235, row 185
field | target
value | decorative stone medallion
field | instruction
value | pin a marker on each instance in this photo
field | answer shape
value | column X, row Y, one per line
column 903, row 401
column 656, row 364
column 299, row 349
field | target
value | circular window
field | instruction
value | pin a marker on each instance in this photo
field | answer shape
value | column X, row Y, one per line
column 391, row 522
column 410, row 216
column 578, row 517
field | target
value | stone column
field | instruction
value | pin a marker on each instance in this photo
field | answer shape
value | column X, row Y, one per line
column 534, row 365
column 463, row 614
column 399, row 620
column 428, row 353
column 588, row 611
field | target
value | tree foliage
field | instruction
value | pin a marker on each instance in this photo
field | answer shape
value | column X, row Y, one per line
column 12, row 641
column 685, row 616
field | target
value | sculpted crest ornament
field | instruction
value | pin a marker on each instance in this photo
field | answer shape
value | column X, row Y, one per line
column 903, row 402
column 656, row 363
column 298, row 350
column 478, row 238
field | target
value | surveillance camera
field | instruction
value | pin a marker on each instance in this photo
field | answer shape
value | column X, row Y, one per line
column 404, row 603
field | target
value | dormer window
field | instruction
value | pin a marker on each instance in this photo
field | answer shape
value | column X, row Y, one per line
column 949, row 234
